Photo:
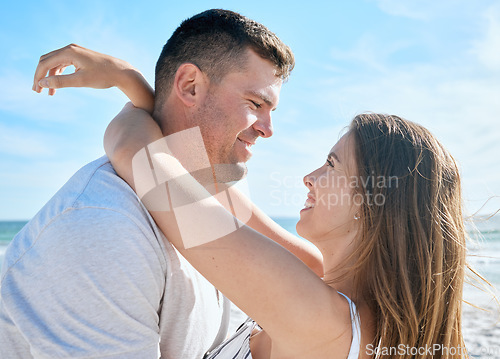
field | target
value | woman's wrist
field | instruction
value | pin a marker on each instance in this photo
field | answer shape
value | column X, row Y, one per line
column 133, row 84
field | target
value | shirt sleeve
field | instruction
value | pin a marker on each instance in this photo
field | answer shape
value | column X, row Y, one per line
column 90, row 286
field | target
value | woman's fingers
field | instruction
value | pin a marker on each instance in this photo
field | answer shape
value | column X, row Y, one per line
column 60, row 81
column 57, row 73
column 52, row 91
column 47, row 65
column 95, row 70
column 54, row 52
column 52, row 72
column 59, row 58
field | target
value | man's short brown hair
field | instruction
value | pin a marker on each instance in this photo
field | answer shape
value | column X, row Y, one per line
column 215, row 41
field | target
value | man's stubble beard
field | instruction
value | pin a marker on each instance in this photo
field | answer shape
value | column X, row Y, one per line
column 225, row 168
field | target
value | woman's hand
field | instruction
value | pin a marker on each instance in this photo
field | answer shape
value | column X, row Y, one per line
column 95, row 70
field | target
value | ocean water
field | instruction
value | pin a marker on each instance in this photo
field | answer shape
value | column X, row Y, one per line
column 484, row 251
column 8, row 230
column 484, row 248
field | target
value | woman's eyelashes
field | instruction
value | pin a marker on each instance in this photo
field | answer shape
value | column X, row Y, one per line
column 330, row 163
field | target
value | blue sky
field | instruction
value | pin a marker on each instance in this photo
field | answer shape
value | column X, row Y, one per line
column 435, row 62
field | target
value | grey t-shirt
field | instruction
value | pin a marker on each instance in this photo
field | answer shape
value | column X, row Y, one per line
column 90, row 277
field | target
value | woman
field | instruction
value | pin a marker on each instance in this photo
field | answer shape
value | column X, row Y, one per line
column 385, row 210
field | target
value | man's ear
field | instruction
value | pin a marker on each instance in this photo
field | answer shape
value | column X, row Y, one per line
column 190, row 84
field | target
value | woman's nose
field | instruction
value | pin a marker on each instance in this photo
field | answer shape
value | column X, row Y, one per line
column 308, row 180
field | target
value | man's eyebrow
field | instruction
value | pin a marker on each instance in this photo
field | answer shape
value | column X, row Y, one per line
column 334, row 155
column 268, row 101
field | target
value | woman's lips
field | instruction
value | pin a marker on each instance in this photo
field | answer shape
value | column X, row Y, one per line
column 310, row 202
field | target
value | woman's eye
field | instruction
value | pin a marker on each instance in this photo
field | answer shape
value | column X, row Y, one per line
column 330, row 162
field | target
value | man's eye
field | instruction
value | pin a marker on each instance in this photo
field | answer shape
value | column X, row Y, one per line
column 257, row 105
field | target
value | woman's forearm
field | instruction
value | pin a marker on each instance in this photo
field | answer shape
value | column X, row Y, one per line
column 304, row 250
column 258, row 275
column 262, row 223
column 95, row 70
column 127, row 133
column 133, row 129
column 133, row 84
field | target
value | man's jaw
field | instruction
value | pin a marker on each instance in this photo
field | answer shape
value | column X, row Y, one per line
column 226, row 173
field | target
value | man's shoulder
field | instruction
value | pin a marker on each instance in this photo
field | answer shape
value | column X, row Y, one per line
column 95, row 185
column 92, row 199
column 89, row 238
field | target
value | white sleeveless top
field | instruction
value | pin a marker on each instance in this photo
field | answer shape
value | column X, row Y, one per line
column 238, row 346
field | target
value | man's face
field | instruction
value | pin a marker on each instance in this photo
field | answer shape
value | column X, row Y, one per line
column 237, row 111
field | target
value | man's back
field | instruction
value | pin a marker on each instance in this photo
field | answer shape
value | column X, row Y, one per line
column 89, row 276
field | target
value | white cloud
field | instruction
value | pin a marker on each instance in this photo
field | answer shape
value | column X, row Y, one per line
column 25, row 186
column 458, row 102
column 46, row 139
column 417, row 9
column 98, row 30
column 461, row 110
column 487, row 49
column 369, row 52
column 420, row 9
column 102, row 33
column 17, row 97
column 66, row 106
column 456, row 98
column 23, row 142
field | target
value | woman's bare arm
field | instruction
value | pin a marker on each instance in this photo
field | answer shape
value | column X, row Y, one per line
column 269, row 283
column 305, row 251
column 95, row 70
column 133, row 123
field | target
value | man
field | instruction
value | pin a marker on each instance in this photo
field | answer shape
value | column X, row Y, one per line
column 90, row 275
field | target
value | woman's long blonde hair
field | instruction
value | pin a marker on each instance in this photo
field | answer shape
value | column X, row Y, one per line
column 411, row 255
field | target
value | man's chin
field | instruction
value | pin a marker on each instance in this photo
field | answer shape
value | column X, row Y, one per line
column 226, row 173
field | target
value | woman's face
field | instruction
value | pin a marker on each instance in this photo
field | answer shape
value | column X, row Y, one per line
column 329, row 209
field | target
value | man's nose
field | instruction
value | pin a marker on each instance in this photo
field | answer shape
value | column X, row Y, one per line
column 264, row 125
